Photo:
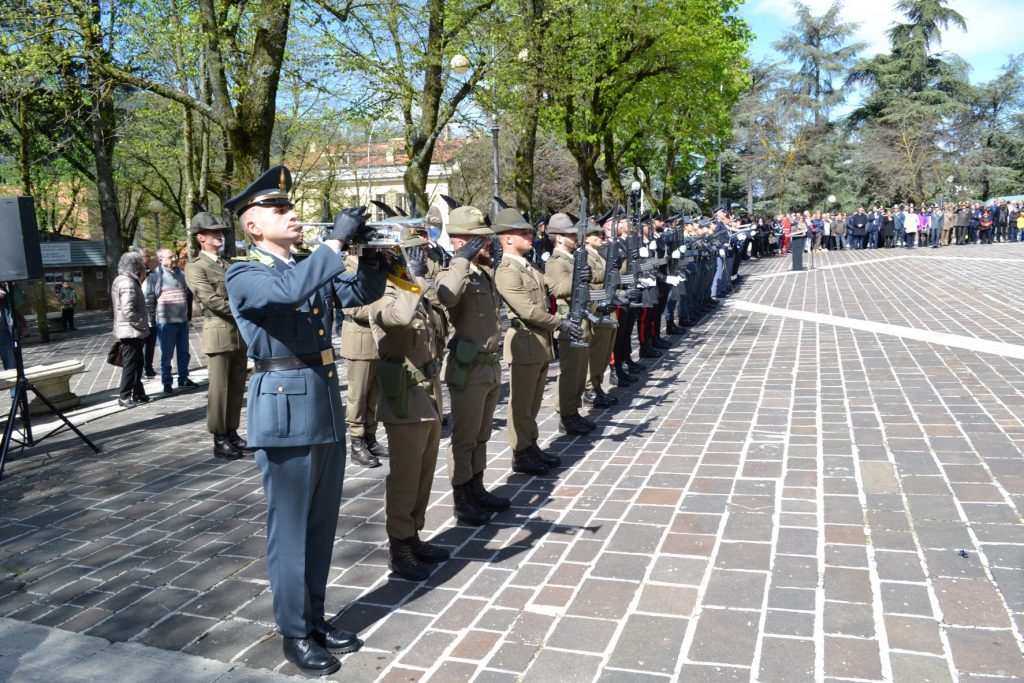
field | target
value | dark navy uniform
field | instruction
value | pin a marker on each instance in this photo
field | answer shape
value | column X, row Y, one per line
column 296, row 417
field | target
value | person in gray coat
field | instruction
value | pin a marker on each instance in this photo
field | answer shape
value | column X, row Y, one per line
column 131, row 326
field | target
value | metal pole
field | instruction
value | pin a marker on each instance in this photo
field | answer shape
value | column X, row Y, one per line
column 156, row 218
column 495, row 191
column 369, row 167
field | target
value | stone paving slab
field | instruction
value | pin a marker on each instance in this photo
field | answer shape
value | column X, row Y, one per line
column 782, row 499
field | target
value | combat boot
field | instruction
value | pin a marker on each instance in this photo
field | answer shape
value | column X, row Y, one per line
column 484, row 498
column 601, row 394
column 375, row 446
column 660, row 343
column 466, row 509
column 587, row 421
column 402, row 561
column 552, row 461
column 574, row 425
column 361, row 454
column 524, row 462
column 427, row 552
column 598, row 399
column 672, row 328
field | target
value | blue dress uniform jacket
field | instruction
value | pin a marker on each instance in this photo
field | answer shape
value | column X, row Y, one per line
column 284, row 310
column 296, row 418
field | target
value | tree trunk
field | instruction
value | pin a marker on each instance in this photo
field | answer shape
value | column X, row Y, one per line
column 526, row 149
column 102, row 126
column 670, row 171
column 415, row 177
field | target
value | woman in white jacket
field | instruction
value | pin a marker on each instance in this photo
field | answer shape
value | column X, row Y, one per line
column 131, row 325
column 911, row 221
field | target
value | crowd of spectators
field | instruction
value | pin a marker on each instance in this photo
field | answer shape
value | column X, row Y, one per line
column 905, row 226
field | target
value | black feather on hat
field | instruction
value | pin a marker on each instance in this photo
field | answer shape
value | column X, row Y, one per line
column 451, row 202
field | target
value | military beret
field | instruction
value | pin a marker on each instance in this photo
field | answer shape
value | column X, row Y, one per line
column 270, row 189
column 468, row 220
column 561, row 224
column 205, row 222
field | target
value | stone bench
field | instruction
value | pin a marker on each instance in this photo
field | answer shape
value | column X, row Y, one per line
column 53, row 381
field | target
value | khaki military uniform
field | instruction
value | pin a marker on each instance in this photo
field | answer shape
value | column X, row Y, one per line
column 223, row 345
column 528, row 345
column 602, row 332
column 572, row 360
column 471, row 370
column 409, row 345
column 359, row 350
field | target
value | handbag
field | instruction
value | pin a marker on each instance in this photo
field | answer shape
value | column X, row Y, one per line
column 114, row 354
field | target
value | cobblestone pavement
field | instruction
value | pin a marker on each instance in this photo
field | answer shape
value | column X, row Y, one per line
column 802, row 490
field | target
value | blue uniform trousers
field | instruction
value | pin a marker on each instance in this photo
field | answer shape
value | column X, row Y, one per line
column 303, row 489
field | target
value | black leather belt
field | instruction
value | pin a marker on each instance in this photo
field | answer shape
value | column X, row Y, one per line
column 311, row 360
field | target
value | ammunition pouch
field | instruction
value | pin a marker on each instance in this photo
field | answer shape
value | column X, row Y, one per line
column 463, row 356
column 394, row 385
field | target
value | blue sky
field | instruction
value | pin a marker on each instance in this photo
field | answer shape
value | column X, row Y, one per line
column 995, row 29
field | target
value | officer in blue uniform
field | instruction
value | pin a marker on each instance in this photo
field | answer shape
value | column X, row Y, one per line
column 295, row 411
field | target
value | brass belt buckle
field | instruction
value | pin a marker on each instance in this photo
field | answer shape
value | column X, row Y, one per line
column 327, row 356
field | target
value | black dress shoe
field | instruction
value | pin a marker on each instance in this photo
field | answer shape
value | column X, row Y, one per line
column 552, row 461
column 633, row 366
column 608, row 397
column 168, row 389
column 601, row 400
column 126, row 402
column 623, row 378
column 142, row 399
column 660, row 343
column 428, row 552
column 224, row 449
column 187, row 384
column 590, row 423
column 404, row 563
column 648, row 351
column 310, row 656
column 361, row 454
column 150, row 372
column 333, row 639
column 525, row 463
column 239, row 443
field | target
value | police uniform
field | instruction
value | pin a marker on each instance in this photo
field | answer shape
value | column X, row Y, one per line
column 409, row 343
column 572, row 360
column 295, row 416
column 528, row 352
column 222, row 344
column 471, row 370
column 359, row 350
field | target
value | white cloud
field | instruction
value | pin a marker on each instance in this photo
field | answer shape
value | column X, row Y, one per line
column 993, row 27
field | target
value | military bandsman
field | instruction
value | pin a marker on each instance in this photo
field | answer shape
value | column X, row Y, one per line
column 282, row 308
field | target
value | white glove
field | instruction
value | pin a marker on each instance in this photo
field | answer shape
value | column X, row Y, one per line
column 673, row 280
column 676, row 253
column 644, row 253
column 721, row 252
column 648, row 282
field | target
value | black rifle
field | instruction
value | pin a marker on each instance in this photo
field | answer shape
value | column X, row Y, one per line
column 613, row 279
column 496, row 252
column 633, row 261
column 581, row 294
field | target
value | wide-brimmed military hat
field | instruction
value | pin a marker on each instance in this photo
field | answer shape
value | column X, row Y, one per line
column 468, row 220
column 561, row 224
column 205, row 222
column 510, row 219
column 270, row 189
column 594, row 228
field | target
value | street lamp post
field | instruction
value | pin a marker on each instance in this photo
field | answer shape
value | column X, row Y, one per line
column 156, row 207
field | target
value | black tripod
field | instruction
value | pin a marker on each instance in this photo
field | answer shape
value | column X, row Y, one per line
column 20, row 402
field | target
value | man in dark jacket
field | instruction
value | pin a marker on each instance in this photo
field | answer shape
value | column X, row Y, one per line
column 859, row 224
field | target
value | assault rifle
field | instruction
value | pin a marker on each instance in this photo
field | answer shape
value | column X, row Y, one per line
column 613, row 279
column 633, row 264
column 581, row 294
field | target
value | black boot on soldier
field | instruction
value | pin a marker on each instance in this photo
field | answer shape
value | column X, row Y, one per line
column 404, row 563
column 375, row 447
column 310, row 656
column 551, row 461
column 361, row 454
column 466, row 509
column 484, row 498
column 524, row 462
column 428, row 552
